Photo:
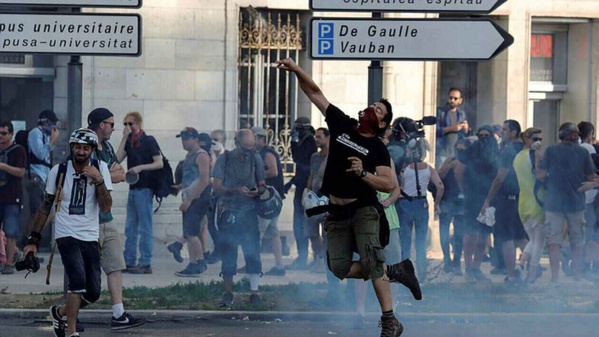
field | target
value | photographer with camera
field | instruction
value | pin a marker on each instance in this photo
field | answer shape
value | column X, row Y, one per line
column 80, row 189
column 303, row 146
column 357, row 167
column 409, row 150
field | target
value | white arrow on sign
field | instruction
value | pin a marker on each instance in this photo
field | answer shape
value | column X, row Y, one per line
column 422, row 6
column 406, row 39
column 75, row 3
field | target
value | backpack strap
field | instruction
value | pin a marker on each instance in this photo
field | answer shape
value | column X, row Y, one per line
column 62, row 172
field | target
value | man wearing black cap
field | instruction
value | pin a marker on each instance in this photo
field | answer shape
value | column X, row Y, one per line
column 40, row 144
column 303, row 146
column 101, row 121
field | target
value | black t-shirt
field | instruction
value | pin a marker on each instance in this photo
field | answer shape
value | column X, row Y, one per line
column 347, row 142
column 506, row 161
column 142, row 154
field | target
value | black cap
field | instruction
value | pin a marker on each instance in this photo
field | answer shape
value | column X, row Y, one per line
column 48, row 115
column 98, row 115
column 188, row 132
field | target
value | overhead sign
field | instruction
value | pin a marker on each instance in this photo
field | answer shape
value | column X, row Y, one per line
column 406, row 39
column 422, row 6
column 73, row 34
column 75, row 3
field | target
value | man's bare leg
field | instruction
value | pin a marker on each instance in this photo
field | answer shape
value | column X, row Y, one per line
column 71, row 310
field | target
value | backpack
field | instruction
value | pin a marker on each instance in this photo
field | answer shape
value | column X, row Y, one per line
column 162, row 182
column 22, row 138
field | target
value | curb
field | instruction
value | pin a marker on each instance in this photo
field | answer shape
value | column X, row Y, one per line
column 167, row 315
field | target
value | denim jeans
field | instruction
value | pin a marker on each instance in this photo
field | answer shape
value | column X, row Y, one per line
column 138, row 227
column 299, row 221
column 413, row 215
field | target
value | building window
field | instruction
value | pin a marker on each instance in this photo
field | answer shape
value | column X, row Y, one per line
column 549, row 55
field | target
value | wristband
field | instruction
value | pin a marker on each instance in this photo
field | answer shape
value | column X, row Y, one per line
column 363, row 173
column 100, row 184
column 34, row 238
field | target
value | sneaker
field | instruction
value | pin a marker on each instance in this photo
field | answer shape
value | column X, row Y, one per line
column 126, row 321
column 275, row 271
column 74, row 334
column 403, row 273
column 147, row 269
column 255, row 299
column 193, row 269
column 8, row 270
column 226, row 300
column 390, row 327
column 175, row 248
column 59, row 324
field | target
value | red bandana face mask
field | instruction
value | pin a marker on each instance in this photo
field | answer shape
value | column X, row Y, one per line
column 368, row 121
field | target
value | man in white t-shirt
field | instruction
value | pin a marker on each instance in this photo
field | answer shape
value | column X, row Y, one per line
column 80, row 189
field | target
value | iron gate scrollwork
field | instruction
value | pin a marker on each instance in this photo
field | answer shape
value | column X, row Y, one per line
column 268, row 96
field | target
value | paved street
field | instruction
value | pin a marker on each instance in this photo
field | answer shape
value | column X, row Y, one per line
column 223, row 325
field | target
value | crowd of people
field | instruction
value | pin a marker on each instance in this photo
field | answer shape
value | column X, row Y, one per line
column 361, row 192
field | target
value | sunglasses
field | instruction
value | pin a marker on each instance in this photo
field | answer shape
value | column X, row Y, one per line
column 4, row 133
column 537, row 139
column 451, row 98
column 128, row 124
column 109, row 123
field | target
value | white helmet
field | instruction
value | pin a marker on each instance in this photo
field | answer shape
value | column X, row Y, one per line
column 84, row 136
column 311, row 199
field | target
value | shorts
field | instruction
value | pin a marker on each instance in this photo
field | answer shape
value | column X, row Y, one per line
column 235, row 228
column 112, row 258
column 9, row 218
column 356, row 233
column 312, row 226
column 81, row 261
column 192, row 219
column 268, row 228
column 508, row 226
column 555, row 226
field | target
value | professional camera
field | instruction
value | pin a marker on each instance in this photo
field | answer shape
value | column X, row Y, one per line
column 30, row 263
column 406, row 129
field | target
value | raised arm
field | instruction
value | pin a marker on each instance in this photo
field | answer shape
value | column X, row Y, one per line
column 306, row 84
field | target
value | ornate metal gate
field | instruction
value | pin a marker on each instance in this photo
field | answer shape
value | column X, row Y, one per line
column 268, row 96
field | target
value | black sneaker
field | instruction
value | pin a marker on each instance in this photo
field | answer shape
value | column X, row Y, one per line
column 126, row 321
column 175, row 248
column 403, row 273
column 255, row 299
column 59, row 324
column 226, row 300
column 390, row 327
column 128, row 269
column 275, row 271
column 147, row 269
